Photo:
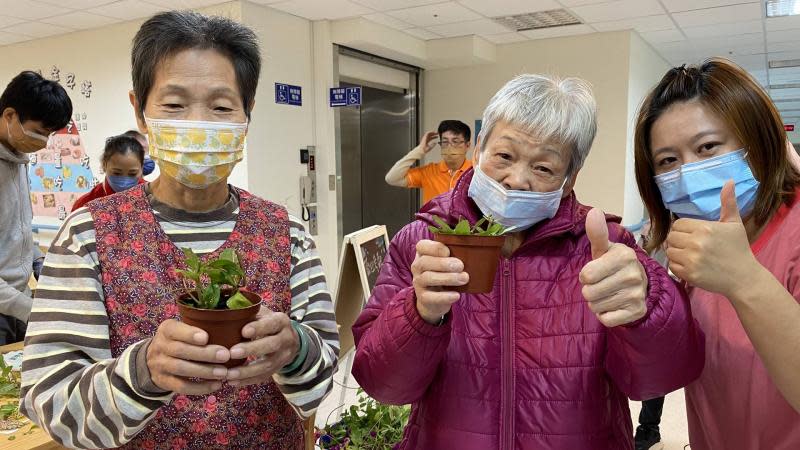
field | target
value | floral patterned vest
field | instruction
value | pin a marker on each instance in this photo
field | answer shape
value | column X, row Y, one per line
column 138, row 262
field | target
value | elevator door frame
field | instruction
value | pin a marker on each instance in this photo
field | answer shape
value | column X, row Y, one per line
column 415, row 90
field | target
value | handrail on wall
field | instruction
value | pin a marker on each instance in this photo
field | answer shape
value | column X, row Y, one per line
column 35, row 227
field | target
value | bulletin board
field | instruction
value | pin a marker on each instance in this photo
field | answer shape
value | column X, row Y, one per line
column 362, row 256
column 59, row 174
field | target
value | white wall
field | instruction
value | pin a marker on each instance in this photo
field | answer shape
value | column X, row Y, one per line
column 602, row 59
column 277, row 132
column 373, row 73
column 645, row 69
column 299, row 52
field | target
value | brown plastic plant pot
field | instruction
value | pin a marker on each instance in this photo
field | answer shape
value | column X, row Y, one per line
column 480, row 255
column 224, row 326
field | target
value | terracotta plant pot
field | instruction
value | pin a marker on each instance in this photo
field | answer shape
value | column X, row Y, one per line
column 224, row 326
column 480, row 255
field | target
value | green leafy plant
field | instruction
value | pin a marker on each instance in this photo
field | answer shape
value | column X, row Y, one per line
column 205, row 282
column 9, row 381
column 367, row 425
column 10, row 418
column 484, row 227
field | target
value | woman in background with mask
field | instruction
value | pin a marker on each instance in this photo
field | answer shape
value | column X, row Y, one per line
column 712, row 169
column 579, row 319
column 107, row 363
column 122, row 161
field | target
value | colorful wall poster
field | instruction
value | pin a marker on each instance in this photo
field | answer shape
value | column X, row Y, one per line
column 59, row 174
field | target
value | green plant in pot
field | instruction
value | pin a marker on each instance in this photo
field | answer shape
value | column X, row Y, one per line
column 477, row 246
column 214, row 301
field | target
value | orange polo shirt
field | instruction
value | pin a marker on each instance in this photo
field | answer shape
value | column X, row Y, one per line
column 435, row 178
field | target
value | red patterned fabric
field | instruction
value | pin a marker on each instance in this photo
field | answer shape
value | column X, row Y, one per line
column 138, row 263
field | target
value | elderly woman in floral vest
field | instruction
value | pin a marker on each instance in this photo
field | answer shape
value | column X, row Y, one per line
column 106, row 362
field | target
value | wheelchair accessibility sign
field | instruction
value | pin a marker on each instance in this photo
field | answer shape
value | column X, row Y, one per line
column 350, row 96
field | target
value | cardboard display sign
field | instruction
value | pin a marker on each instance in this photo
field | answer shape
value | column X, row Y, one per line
column 362, row 256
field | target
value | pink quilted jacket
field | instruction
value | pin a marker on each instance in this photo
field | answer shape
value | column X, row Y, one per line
column 527, row 366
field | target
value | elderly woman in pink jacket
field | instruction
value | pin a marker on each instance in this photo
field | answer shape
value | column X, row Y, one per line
column 579, row 319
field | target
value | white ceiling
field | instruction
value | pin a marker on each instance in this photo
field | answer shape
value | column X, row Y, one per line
column 680, row 30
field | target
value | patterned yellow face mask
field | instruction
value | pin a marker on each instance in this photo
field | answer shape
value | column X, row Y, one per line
column 196, row 153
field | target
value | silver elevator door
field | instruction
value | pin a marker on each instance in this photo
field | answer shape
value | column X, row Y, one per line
column 373, row 137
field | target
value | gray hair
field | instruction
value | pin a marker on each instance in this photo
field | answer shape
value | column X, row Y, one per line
column 553, row 109
column 168, row 33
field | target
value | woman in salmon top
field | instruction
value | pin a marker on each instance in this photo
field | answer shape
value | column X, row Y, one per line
column 713, row 170
column 123, row 159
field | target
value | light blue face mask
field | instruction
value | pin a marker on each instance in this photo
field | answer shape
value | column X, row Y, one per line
column 121, row 183
column 515, row 210
column 692, row 191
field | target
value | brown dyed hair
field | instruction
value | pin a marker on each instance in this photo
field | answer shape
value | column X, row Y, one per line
column 735, row 97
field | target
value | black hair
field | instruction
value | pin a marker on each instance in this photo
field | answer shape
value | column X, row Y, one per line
column 121, row 145
column 35, row 98
column 133, row 133
column 455, row 126
column 738, row 100
column 168, row 33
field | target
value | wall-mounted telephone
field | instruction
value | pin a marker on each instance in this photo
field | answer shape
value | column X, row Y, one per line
column 307, row 195
column 308, row 188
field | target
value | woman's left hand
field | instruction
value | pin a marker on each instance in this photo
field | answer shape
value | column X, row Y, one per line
column 714, row 256
column 274, row 345
column 614, row 282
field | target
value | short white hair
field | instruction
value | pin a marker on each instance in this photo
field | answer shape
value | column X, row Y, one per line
column 558, row 110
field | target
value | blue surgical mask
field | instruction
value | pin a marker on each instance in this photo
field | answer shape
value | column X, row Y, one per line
column 121, row 183
column 516, row 210
column 149, row 166
column 692, row 191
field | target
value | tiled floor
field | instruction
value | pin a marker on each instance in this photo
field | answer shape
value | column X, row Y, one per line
column 674, row 431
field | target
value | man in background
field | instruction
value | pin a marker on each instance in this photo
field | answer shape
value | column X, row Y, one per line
column 453, row 136
column 31, row 109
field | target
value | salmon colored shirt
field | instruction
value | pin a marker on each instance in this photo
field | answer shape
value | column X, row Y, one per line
column 99, row 191
column 435, row 178
column 734, row 405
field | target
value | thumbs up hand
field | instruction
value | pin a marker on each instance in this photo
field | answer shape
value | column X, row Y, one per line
column 614, row 282
column 714, row 256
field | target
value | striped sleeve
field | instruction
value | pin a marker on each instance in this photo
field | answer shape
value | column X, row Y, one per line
column 71, row 385
column 312, row 308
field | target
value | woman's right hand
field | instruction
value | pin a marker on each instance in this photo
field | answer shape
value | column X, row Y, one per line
column 434, row 271
column 178, row 352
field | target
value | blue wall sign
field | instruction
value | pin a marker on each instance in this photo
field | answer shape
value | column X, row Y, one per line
column 350, row 96
column 287, row 94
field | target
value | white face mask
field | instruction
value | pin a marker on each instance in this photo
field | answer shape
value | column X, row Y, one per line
column 196, row 153
column 515, row 210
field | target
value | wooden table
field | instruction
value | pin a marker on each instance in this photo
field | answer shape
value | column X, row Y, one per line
column 36, row 440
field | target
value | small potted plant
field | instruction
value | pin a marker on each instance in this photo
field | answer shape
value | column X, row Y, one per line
column 214, row 301
column 477, row 246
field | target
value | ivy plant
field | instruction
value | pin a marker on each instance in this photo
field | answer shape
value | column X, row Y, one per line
column 204, row 282
column 367, row 425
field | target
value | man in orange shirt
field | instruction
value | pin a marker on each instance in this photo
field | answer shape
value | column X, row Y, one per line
column 435, row 178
